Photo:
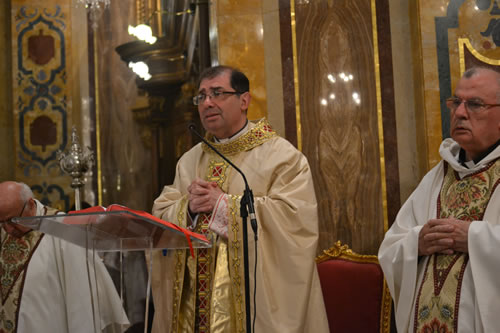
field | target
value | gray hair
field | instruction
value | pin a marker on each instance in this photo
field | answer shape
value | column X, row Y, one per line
column 25, row 192
column 477, row 69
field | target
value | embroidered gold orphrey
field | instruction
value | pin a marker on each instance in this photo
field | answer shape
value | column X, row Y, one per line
column 217, row 171
column 439, row 295
column 15, row 256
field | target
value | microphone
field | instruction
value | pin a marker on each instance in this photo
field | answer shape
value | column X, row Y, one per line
column 250, row 202
column 246, row 202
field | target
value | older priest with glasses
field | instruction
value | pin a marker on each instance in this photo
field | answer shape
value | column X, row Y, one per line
column 441, row 256
column 45, row 280
column 206, row 293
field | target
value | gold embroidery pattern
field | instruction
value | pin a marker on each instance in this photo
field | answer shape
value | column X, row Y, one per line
column 15, row 256
column 466, row 199
column 256, row 136
column 204, row 279
column 439, row 295
column 217, row 172
column 179, row 254
column 236, row 248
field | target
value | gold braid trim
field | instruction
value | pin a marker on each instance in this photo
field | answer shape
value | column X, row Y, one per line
column 256, row 136
column 179, row 271
column 236, row 248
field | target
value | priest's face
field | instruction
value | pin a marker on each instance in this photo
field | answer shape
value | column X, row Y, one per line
column 11, row 205
column 223, row 113
column 477, row 128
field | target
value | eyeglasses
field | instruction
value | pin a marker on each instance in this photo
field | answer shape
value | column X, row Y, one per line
column 20, row 214
column 216, row 95
column 471, row 105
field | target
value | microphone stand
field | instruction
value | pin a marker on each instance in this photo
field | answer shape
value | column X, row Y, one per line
column 246, row 208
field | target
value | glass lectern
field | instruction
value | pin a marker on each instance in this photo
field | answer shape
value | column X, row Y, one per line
column 116, row 229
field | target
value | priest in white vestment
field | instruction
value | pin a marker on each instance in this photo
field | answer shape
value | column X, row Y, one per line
column 45, row 280
column 206, row 293
column 441, row 256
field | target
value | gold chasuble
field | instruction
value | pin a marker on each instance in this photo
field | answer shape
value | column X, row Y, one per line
column 206, row 293
column 15, row 255
column 439, row 293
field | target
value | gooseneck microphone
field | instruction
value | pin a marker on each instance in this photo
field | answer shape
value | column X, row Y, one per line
column 251, row 208
column 246, row 208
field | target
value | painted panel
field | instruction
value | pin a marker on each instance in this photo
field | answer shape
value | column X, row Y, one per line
column 41, row 97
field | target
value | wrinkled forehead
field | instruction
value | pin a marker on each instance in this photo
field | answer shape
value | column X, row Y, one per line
column 483, row 85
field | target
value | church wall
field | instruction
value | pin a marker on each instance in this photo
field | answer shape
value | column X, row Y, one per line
column 366, row 158
column 404, row 96
column 42, row 106
column 58, row 76
column 6, row 128
column 347, row 118
column 303, row 42
column 240, row 34
column 125, row 151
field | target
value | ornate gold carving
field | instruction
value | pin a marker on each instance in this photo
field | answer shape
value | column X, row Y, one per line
column 256, row 136
column 465, row 43
column 339, row 251
column 385, row 319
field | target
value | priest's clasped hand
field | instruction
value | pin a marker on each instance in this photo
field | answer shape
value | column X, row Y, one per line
column 203, row 196
column 445, row 236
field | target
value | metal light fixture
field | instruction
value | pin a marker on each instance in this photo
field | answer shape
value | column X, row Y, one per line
column 141, row 69
column 142, row 32
column 94, row 8
column 166, row 36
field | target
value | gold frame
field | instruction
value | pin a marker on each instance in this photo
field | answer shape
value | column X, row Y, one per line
column 465, row 43
column 339, row 251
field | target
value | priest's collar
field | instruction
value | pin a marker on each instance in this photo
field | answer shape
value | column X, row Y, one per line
column 463, row 159
column 249, row 137
column 235, row 135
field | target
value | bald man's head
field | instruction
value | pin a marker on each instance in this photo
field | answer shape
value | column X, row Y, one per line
column 15, row 199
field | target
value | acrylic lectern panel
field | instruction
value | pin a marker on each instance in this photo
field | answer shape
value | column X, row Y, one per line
column 118, row 230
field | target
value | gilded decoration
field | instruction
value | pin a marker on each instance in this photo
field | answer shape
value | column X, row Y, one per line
column 236, row 248
column 465, row 199
column 256, row 136
column 217, row 172
column 41, row 97
column 201, row 268
column 179, row 268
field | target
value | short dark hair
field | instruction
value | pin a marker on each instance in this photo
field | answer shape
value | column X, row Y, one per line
column 239, row 81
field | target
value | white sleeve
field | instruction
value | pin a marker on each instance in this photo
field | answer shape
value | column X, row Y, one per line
column 219, row 219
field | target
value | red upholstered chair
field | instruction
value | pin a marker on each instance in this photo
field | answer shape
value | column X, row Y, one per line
column 355, row 292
